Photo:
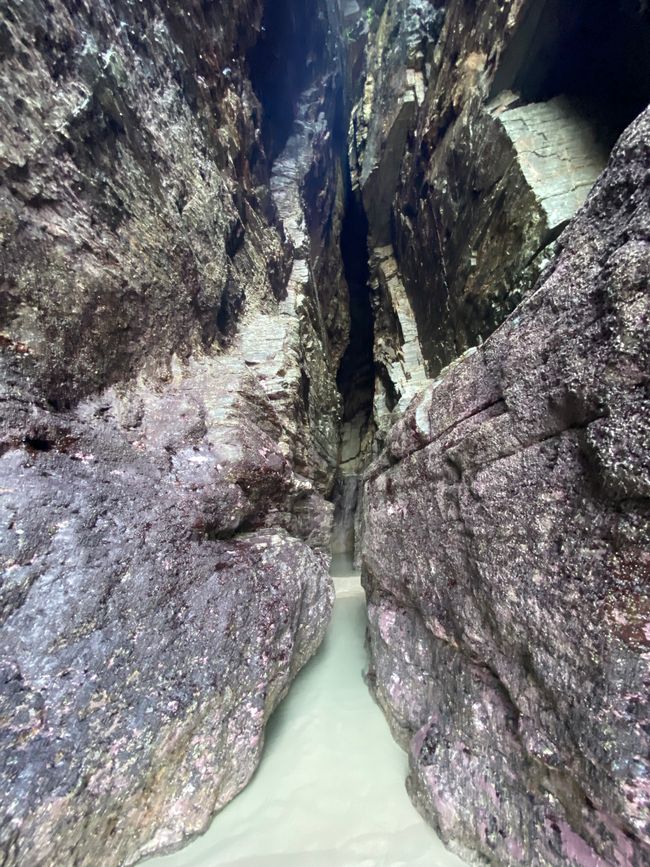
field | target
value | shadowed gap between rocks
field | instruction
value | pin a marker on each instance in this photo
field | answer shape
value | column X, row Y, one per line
column 282, row 64
column 356, row 377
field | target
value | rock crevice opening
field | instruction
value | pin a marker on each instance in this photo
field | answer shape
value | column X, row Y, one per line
column 237, row 332
column 355, row 378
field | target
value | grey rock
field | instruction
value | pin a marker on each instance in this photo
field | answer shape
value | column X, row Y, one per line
column 120, row 179
column 505, row 556
column 479, row 133
column 169, row 419
column 558, row 154
column 141, row 656
column 394, row 86
column 401, row 371
column 525, row 172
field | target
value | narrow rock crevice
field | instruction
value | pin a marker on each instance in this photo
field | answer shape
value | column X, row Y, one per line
column 283, row 278
column 355, row 377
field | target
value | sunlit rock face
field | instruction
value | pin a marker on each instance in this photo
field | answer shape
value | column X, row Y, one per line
column 505, row 556
column 169, row 414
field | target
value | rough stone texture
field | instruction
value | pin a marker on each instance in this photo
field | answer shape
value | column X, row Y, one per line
column 393, row 88
column 557, row 152
column 401, row 37
column 400, row 366
column 465, row 220
column 528, row 168
column 169, row 424
column 505, row 557
column 480, row 131
column 313, row 322
column 142, row 656
column 124, row 141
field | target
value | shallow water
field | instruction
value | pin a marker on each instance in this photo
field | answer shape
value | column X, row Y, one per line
column 329, row 791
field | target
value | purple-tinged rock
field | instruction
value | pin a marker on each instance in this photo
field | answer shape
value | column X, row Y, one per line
column 506, row 559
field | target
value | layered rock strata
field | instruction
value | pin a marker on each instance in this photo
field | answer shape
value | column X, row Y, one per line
column 505, row 556
column 399, row 35
column 477, row 136
column 169, row 416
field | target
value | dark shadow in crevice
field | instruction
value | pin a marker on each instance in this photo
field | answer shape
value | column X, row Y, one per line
column 595, row 52
column 282, row 64
column 356, row 375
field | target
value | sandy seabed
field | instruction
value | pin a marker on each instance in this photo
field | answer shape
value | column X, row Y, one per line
column 329, row 791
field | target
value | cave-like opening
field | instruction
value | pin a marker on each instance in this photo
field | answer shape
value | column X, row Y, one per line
column 356, row 375
column 282, row 63
column 594, row 52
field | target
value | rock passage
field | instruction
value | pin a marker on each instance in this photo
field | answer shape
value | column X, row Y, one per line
column 329, row 791
column 280, row 279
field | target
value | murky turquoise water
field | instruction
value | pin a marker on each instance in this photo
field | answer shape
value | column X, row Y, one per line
column 330, row 788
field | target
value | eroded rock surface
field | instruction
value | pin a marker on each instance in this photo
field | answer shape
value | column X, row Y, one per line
column 170, row 418
column 188, row 280
column 478, row 134
column 150, row 622
column 505, row 554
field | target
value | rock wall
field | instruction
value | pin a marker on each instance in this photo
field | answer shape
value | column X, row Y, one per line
column 170, row 419
column 398, row 36
column 505, row 557
column 504, row 527
column 187, row 275
column 479, row 132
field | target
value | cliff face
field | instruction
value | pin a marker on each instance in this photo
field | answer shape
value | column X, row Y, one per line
column 479, row 132
column 505, row 555
column 170, row 416
column 505, row 525
column 217, row 309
